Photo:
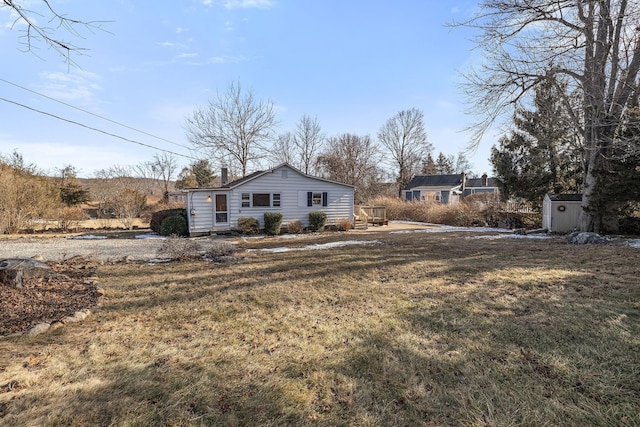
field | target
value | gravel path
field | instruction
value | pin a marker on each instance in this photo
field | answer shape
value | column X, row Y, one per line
column 59, row 248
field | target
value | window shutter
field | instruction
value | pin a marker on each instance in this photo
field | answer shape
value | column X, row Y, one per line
column 325, row 199
column 309, row 199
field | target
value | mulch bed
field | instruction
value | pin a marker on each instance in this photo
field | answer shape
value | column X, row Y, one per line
column 69, row 288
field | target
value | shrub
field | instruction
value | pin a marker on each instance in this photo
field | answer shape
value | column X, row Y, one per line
column 272, row 223
column 159, row 216
column 220, row 251
column 317, row 220
column 294, row 227
column 248, row 225
column 179, row 249
column 344, row 224
column 69, row 218
column 174, row 226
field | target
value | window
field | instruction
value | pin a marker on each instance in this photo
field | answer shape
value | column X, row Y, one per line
column 316, row 199
column 261, row 200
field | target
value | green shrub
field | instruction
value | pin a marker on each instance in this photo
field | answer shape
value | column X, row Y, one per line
column 272, row 223
column 317, row 220
column 294, row 227
column 159, row 216
column 175, row 225
column 248, row 225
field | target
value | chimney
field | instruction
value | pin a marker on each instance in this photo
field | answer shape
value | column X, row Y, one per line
column 463, row 180
column 485, row 180
column 225, row 176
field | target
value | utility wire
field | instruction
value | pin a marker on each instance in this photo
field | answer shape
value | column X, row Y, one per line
column 93, row 114
column 96, row 129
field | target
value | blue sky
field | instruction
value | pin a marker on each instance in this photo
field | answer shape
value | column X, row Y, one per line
column 352, row 64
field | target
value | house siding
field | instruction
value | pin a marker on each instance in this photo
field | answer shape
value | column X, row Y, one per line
column 292, row 186
column 293, row 198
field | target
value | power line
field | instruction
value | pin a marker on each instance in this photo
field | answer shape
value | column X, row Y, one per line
column 95, row 129
column 93, row 114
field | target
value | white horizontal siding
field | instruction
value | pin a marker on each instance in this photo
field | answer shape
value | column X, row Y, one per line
column 289, row 185
column 201, row 213
column 339, row 198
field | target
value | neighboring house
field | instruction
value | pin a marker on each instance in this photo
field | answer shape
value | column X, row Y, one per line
column 480, row 185
column 561, row 212
column 177, row 197
column 282, row 189
column 447, row 189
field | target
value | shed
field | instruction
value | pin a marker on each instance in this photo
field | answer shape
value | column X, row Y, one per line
column 561, row 212
column 282, row 189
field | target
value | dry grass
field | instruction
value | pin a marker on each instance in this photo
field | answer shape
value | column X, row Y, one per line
column 418, row 329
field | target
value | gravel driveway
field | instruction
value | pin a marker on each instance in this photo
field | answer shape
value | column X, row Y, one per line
column 59, row 248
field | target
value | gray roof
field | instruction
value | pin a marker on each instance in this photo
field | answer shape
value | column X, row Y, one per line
column 565, row 197
column 450, row 180
column 477, row 182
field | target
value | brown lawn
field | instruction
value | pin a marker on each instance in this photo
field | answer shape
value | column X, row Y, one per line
column 418, row 329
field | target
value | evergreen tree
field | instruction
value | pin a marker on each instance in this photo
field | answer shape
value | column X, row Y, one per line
column 542, row 153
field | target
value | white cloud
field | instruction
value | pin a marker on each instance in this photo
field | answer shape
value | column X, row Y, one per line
column 246, row 4
column 70, row 87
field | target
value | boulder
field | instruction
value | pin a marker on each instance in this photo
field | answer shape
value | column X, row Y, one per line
column 14, row 270
column 585, row 238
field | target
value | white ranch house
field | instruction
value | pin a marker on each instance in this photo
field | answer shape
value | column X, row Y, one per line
column 282, row 189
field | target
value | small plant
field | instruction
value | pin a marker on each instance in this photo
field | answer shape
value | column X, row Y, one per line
column 272, row 223
column 174, row 226
column 248, row 226
column 159, row 216
column 344, row 224
column 180, row 249
column 317, row 220
column 220, row 251
column 294, row 227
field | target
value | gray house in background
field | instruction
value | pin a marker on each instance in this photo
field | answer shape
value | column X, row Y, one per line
column 445, row 189
column 448, row 188
column 282, row 189
column 482, row 185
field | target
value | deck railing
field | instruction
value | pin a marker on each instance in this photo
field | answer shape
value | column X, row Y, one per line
column 375, row 215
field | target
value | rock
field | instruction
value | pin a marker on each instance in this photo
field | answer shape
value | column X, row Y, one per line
column 38, row 329
column 78, row 316
column 14, row 270
column 585, row 238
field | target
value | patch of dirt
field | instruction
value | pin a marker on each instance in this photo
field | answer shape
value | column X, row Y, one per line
column 69, row 288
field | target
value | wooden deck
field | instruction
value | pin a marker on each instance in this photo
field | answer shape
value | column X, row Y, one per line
column 371, row 215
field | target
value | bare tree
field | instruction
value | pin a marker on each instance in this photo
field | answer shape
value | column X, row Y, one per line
column 354, row 160
column 120, row 193
column 594, row 44
column 308, row 140
column 236, row 125
column 283, row 150
column 405, row 138
column 29, row 17
column 164, row 165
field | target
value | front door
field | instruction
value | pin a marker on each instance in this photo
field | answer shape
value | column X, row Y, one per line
column 221, row 209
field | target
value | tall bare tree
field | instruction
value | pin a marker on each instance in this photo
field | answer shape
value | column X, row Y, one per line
column 405, row 137
column 235, row 126
column 354, row 160
column 283, row 150
column 594, row 44
column 308, row 139
column 164, row 165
